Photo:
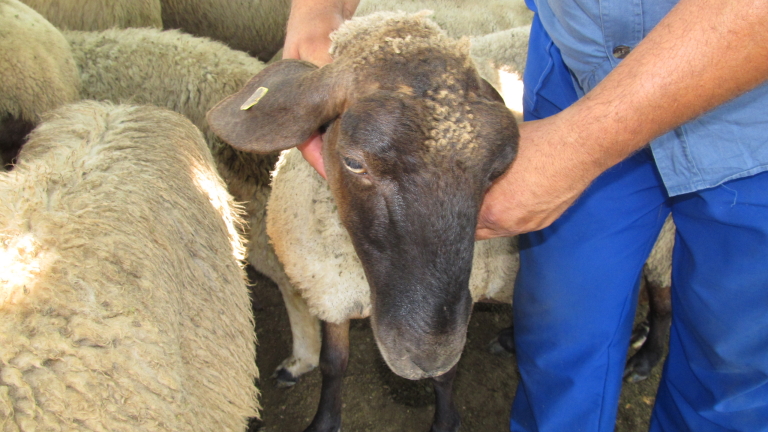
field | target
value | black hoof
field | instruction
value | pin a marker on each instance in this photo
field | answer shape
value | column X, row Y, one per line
column 452, row 426
column 504, row 343
column 284, row 378
column 637, row 369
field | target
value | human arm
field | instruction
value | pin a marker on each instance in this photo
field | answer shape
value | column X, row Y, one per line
column 702, row 54
column 307, row 38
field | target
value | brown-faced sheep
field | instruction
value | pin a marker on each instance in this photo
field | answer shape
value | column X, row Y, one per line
column 414, row 138
column 123, row 303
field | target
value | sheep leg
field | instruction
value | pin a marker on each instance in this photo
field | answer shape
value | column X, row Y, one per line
column 305, row 334
column 659, row 319
column 334, row 356
column 503, row 344
column 447, row 418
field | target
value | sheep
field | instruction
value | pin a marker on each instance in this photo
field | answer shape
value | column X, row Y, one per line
column 255, row 26
column 650, row 336
column 459, row 17
column 38, row 74
column 123, row 301
column 189, row 75
column 500, row 58
column 92, row 15
column 414, row 139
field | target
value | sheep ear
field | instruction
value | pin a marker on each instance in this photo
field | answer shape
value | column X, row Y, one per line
column 279, row 108
column 496, row 128
column 488, row 91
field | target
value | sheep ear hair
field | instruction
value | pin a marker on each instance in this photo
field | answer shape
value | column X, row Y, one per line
column 279, row 108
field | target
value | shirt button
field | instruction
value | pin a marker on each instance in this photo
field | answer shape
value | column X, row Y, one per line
column 621, row 51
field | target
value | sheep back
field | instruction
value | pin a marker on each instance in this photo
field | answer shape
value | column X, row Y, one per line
column 36, row 64
column 91, row 15
column 123, row 305
column 177, row 71
column 459, row 17
column 255, row 26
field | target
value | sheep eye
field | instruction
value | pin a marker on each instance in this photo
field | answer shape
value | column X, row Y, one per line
column 354, row 166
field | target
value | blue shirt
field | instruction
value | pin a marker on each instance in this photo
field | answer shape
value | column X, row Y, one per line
column 579, row 40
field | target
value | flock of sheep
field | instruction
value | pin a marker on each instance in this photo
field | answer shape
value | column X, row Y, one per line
column 125, row 221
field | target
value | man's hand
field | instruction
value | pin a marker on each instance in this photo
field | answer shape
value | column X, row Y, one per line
column 308, row 38
column 545, row 179
column 691, row 62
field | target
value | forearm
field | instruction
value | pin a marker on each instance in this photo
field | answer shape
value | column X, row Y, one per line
column 702, row 54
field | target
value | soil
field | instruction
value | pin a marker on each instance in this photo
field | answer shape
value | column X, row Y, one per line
column 377, row 400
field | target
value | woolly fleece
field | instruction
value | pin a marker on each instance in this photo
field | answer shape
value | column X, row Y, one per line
column 459, row 17
column 256, row 27
column 36, row 64
column 188, row 75
column 92, row 15
column 123, row 305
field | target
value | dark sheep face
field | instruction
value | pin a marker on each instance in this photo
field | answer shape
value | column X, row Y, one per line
column 410, row 149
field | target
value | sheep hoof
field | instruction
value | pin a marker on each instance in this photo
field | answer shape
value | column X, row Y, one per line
column 503, row 344
column 284, row 378
column 637, row 369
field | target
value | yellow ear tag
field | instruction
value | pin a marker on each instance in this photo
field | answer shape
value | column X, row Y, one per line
column 254, row 99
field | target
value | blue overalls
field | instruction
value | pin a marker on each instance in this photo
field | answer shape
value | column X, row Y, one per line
column 577, row 290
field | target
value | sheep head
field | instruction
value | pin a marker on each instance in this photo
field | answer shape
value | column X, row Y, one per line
column 413, row 139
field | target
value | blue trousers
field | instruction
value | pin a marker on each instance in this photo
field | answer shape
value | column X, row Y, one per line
column 577, row 290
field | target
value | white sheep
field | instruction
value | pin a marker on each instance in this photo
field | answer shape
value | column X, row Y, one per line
column 500, row 58
column 189, row 75
column 459, row 17
column 123, row 302
column 38, row 73
column 91, row 15
column 254, row 26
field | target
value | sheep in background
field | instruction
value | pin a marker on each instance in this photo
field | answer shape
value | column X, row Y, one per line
column 189, row 75
column 500, row 58
column 459, row 17
column 254, row 26
column 38, row 74
column 414, row 138
column 123, row 303
column 91, row 15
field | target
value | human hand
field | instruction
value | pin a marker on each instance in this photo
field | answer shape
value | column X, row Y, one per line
column 308, row 38
column 546, row 177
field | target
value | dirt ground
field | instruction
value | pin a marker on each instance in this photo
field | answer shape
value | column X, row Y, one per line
column 377, row 400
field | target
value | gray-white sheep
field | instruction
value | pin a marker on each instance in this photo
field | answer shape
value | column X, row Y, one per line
column 459, row 17
column 189, row 75
column 254, row 26
column 123, row 302
column 38, row 73
column 91, row 15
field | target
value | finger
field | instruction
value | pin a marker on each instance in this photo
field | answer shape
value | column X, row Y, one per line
column 312, row 150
